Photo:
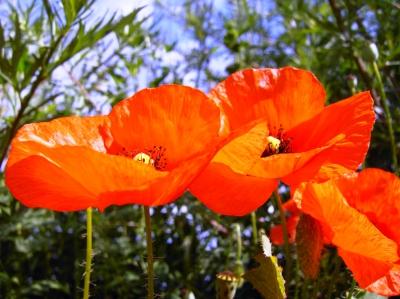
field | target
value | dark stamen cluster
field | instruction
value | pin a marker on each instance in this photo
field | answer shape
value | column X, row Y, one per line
column 285, row 143
column 156, row 156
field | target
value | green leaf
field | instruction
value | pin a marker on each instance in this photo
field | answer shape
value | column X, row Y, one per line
column 267, row 278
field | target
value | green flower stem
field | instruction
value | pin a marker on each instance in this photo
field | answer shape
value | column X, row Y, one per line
column 149, row 241
column 254, row 225
column 239, row 242
column 338, row 262
column 285, row 237
column 297, row 279
column 315, row 289
column 388, row 118
column 304, row 289
column 353, row 285
column 88, row 252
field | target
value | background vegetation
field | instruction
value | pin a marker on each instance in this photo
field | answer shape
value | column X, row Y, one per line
column 57, row 58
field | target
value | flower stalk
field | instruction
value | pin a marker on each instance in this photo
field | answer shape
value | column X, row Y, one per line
column 149, row 242
column 388, row 117
column 353, row 285
column 254, row 225
column 239, row 242
column 88, row 252
column 338, row 264
column 285, row 237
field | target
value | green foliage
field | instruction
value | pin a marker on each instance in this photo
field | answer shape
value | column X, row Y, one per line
column 267, row 278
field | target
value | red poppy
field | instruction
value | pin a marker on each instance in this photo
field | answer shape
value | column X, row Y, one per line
column 359, row 214
column 74, row 163
column 276, row 233
column 305, row 140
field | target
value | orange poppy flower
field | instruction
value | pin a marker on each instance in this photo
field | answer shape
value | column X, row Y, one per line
column 359, row 214
column 276, row 233
column 305, row 140
column 74, row 163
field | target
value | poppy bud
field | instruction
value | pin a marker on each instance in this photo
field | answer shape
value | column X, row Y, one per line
column 226, row 285
column 370, row 52
column 351, row 81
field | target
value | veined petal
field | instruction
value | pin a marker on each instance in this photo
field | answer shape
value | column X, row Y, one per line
column 97, row 172
column 286, row 96
column 349, row 123
column 389, row 285
column 282, row 165
column 229, row 193
column 366, row 270
column 184, row 126
column 65, row 131
column 242, row 153
column 376, row 194
column 352, row 231
column 39, row 183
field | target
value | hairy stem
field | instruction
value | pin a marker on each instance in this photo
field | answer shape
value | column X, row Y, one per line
column 353, row 285
column 254, row 226
column 285, row 236
column 388, row 118
column 338, row 263
column 239, row 242
column 88, row 252
column 149, row 241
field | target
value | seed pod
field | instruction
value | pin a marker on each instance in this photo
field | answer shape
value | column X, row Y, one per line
column 226, row 285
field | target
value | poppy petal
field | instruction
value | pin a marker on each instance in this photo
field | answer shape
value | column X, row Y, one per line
column 349, row 123
column 388, row 285
column 98, row 172
column 28, row 180
column 276, row 233
column 149, row 118
column 65, row 131
column 366, row 270
column 229, row 193
column 282, row 165
column 256, row 93
column 376, row 194
column 352, row 231
column 242, row 153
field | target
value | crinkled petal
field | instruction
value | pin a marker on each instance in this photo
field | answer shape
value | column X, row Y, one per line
column 286, row 96
column 376, row 194
column 65, row 131
column 348, row 123
column 366, row 270
column 282, row 165
column 39, row 183
column 97, row 172
column 181, row 119
column 389, row 285
column 352, row 231
column 242, row 153
column 229, row 193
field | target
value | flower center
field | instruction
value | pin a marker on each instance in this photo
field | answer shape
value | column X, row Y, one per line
column 278, row 143
column 153, row 157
